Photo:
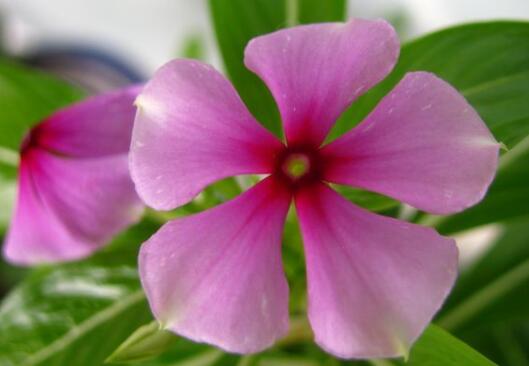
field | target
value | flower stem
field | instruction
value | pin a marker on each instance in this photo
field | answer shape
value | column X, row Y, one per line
column 300, row 331
column 157, row 216
column 380, row 362
column 292, row 8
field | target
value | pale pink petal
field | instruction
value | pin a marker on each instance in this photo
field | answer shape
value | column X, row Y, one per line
column 192, row 129
column 95, row 198
column 69, row 208
column 98, row 126
column 36, row 235
column 316, row 71
column 374, row 283
column 217, row 277
column 423, row 144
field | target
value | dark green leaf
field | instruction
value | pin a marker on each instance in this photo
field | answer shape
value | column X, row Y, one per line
column 76, row 313
column 505, row 343
column 495, row 288
column 26, row 97
column 316, row 11
column 436, row 347
column 235, row 23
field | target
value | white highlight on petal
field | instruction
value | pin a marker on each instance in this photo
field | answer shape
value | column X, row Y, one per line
column 151, row 107
column 426, row 107
column 479, row 141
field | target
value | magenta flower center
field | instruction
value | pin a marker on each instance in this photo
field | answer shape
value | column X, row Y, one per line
column 38, row 137
column 298, row 166
column 29, row 141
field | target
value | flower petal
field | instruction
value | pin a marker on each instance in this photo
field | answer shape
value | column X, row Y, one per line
column 316, row 71
column 191, row 130
column 374, row 282
column 69, row 208
column 98, row 126
column 423, row 144
column 217, row 277
column 36, row 235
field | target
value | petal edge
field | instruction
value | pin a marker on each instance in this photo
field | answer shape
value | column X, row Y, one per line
column 192, row 129
column 316, row 71
column 217, row 277
column 374, row 282
column 423, row 144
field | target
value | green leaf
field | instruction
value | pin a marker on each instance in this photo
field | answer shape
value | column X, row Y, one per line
column 76, row 313
column 316, row 11
column 187, row 353
column 504, row 343
column 495, row 288
column 237, row 21
column 368, row 200
column 488, row 63
column 26, row 97
column 151, row 346
column 436, row 347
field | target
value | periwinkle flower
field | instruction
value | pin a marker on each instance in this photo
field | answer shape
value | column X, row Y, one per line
column 374, row 282
column 74, row 188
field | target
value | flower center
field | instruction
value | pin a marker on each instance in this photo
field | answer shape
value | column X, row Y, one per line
column 27, row 142
column 296, row 165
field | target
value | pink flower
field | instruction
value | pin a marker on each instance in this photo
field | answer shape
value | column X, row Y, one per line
column 74, row 188
column 374, row 282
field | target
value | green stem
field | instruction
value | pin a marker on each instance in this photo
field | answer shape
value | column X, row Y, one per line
column 157, row 216
column 246, row 360
column 380, row 362
column 207, row 358
column 485, row 296
column 292, row 8
column 300, row 331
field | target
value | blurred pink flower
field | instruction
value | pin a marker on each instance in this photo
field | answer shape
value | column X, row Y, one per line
column 374, row 282
column 74, row 188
